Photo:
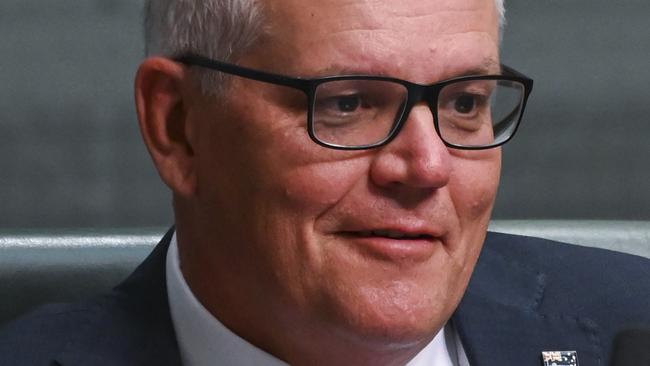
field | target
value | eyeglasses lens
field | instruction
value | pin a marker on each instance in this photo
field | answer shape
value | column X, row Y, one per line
column 479, row 113
column 357, row 112
column 360, row 112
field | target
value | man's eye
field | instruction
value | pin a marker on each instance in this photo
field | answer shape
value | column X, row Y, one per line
column 345, row 103
column 348, row 103
column 465, row 104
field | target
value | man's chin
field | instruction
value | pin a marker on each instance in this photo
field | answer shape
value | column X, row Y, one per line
column 394, row 335
column 379, row 300
column 393, row 322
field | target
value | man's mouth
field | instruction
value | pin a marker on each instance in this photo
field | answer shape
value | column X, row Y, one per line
column 406, row 247
column 392, row 234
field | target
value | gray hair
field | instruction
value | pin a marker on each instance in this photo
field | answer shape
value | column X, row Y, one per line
column 219, row 29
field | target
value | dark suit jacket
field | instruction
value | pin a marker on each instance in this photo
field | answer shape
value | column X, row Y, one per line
column 526, row 296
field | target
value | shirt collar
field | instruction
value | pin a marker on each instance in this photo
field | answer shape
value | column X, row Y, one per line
column 204, row 341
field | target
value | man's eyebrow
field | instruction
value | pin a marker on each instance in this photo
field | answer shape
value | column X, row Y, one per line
column 336, row 70
column 488, row 66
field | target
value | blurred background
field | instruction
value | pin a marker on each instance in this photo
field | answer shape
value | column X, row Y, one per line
column 71, row 155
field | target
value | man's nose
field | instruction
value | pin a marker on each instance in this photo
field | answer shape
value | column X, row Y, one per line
column 417, row 157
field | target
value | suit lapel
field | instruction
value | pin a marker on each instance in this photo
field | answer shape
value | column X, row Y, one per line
column 132, row 325
column 500, row 321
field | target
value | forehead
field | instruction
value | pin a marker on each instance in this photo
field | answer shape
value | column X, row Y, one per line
column 422, row 41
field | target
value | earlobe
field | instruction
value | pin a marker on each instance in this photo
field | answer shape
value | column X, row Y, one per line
column 162, row 115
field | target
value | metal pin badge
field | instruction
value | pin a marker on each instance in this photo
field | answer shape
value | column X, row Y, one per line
column 560, row 358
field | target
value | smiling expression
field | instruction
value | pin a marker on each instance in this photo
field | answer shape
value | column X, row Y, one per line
column 368, row 246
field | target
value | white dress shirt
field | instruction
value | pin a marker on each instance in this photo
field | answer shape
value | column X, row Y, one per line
column 204, row 341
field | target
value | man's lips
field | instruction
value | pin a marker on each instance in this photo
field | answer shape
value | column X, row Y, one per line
column 394, row 245
column 393, row 234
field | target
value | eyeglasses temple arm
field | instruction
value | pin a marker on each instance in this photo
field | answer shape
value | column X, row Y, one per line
column 197, row 60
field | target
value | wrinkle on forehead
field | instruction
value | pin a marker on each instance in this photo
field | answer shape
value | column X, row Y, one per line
column 375, row 14
column 406, row 8
column 430, row 64
column 382, row 37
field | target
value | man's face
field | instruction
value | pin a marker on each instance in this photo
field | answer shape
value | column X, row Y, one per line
column 376, row 244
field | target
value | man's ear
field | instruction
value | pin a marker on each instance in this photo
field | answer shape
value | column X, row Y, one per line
column 160, row 95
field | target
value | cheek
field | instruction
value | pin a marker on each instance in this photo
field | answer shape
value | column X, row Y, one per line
column 474, row 183
column 283, row 165
column 473, row 189
column 314, row 188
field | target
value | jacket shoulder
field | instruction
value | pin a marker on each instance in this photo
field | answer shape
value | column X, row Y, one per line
column 34, row 338
column 130, row 325
column 611, row 287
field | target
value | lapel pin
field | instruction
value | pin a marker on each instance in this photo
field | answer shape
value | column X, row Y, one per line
column 560, row 358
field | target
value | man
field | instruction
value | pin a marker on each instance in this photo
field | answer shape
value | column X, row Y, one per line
column 335, row 215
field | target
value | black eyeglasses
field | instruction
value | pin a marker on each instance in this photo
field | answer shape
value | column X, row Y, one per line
column 361, row 112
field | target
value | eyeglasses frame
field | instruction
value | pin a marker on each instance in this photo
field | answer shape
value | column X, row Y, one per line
column 416, row 93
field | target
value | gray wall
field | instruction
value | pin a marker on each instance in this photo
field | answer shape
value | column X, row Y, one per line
column 70, row 151
column 583, row 150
